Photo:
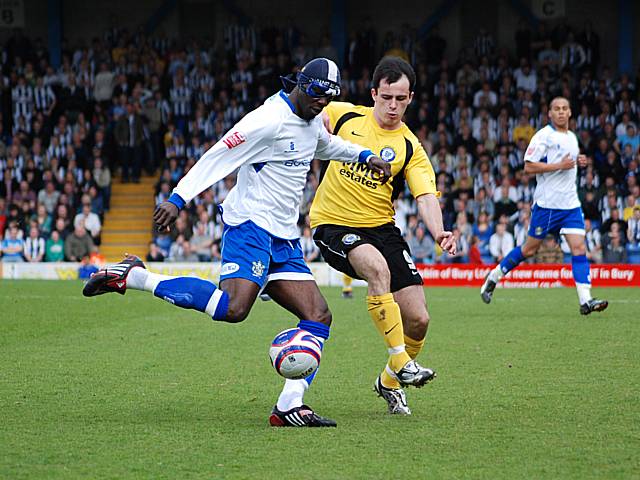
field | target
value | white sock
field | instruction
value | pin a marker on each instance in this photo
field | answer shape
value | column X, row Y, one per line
column 584, row 292
column 142, row 279
column 496, row 274
column 292, row 394
column 212, row 304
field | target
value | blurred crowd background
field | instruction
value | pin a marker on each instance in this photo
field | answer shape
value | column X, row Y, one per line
column 123, row 105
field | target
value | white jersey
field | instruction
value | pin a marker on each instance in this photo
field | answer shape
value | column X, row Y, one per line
column 273, row 147
column 554, row 189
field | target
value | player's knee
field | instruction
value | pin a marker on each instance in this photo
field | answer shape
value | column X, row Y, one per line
column 417, row 327
column 578, row 250
column 425, row 320
column 237, row 312
column 323, row 315
column 529, row 250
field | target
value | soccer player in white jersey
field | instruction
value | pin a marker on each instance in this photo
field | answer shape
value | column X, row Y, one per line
column 552, row 155
column 273, row 147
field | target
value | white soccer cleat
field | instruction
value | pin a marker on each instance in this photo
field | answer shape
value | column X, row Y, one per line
column 486, row 291
column 395, row 398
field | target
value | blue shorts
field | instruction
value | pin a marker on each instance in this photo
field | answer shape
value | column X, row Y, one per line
column 554, row 221
column 254, row 254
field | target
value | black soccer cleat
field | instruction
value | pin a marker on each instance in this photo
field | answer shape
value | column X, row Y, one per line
column 486, row 291
column 112, row 278
column 593, row 305
column 347, row 294
column 302, row 416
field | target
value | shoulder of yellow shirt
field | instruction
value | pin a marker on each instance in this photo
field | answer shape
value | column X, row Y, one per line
column 336, row 109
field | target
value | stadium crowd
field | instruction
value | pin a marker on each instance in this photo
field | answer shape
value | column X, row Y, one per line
column 125, row 102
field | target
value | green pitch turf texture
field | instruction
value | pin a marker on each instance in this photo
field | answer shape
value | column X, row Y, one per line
column 132, row 387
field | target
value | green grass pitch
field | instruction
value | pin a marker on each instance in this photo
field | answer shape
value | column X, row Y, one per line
column 131, row 387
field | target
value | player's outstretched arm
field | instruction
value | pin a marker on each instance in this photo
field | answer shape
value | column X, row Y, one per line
column 429, row 209
column 246, row 142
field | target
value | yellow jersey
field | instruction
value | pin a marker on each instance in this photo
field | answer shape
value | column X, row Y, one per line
column 350, row 194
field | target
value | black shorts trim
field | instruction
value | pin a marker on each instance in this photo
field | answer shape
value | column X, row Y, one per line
column 335, row 242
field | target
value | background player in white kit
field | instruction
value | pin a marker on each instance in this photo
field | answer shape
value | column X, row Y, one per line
column 552, row 156
column 273, row 147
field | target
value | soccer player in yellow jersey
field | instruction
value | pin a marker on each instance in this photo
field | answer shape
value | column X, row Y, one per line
column 352, row 214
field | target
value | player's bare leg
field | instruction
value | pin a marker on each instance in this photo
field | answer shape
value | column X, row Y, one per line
column 304, row 300
column 415, row 319
column 580, row 270
column 511, row 261
column 242, row 295
column 413, row 307
column 369, row 263
column 385, row 312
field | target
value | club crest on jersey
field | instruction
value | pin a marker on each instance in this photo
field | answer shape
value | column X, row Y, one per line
column 257, row 268
column 350, row 239
column 234, row 139
column 387, row 154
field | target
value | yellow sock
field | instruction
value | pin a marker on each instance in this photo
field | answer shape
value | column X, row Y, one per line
column 346, row 283
column 385, row 314
column 387, row 380
column 413, row 348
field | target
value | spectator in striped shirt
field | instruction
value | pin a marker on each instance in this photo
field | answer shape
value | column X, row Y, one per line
column 44, row 99
column 22, row 98
column 181, row 101
column 483, row 44
column 34, row 245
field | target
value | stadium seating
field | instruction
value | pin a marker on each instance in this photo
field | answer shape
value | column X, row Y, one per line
column 151, row 124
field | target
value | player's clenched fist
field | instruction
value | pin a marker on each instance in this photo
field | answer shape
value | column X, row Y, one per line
column 447, row 242
column 381, row 167
column 166, row 213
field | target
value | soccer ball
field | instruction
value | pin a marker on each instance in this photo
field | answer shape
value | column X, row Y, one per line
column 295, row 353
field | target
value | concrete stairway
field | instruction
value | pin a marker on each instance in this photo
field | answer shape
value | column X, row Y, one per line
column 127, row 225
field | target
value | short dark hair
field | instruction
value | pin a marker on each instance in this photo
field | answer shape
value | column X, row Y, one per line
column 559, row 97
column 391, row 69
